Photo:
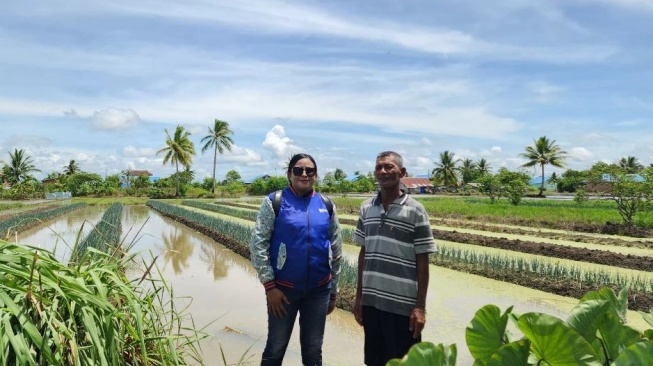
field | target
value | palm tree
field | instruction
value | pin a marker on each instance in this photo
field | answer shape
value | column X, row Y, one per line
column 483, row 167
column 468, row 171
column 445, row 170
column 630, row 164
column 179, row 150
column 219, row 139
column 554, row 179
column 71, row 168
column 19, row 166
column 543, row 152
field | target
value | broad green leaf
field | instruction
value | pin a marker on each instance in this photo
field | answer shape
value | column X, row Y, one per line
column 618, row 304
column 485, row 333
column 512, row 354
column 584, row 317
column 616, row 336
column 556, row 342
column 648, row 317
column 638, row 354
column 426, row 353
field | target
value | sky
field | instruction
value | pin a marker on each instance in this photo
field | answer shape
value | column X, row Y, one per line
column 100, row 82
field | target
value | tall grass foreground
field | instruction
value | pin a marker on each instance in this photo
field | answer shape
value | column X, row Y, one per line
column 89, row 313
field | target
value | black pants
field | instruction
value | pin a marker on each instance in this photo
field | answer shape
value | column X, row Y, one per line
column 387, row 336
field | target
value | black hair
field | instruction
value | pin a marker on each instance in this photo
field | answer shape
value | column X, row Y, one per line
column 298, row 157
column 396, row 156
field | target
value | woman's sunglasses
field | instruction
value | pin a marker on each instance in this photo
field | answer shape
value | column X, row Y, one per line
column 297, row 171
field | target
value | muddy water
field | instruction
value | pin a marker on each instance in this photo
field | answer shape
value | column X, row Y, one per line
column 228, row 299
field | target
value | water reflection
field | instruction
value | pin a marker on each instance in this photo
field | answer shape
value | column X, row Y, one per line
column 177, row 249
column 216, row 261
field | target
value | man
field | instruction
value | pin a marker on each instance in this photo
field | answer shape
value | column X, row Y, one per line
column 393, row 269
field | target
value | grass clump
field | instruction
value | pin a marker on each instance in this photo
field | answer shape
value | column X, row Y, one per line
column 89, row 313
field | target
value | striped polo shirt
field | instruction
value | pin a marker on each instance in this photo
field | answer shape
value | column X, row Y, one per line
column 392, row 240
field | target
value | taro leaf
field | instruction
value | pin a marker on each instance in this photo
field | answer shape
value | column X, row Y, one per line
column 556, row 342
column 512, row 354
column 638, row 354
column 648, row 317
column 485, row 332
column 649, row 334
column 426, row 353
column 585, row 316
column 616, row 336
column 619, row 304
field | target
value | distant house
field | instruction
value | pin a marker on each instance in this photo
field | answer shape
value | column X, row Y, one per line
column 416, row 185
column 125, row 180
column 605, row 185
column 261, row 176
column 537, row 182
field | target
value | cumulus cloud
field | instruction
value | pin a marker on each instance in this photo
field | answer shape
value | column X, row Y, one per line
column 133, row 152
column 278, row 143
column 581, row 154
column 115, row 119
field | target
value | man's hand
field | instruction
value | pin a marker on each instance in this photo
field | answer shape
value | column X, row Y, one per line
column 417, row 321
column 276, row 298
column 358, row 312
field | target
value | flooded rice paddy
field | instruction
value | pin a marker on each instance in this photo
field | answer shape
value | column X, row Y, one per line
column 227, row 300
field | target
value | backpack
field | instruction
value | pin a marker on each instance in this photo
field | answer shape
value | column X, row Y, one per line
column 276, row 203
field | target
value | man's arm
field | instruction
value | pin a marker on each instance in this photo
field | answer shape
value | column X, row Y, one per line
column 418, row 315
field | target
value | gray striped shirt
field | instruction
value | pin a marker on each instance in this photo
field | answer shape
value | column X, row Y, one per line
column 392, row 240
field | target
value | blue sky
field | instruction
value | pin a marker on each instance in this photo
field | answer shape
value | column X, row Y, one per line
column 99, row 82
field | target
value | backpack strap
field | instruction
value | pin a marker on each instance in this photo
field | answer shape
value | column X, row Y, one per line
column 328, row 203
column 276, row 202
column 278, row 196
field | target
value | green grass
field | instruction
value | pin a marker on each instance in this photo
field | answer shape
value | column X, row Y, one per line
column 538, row 212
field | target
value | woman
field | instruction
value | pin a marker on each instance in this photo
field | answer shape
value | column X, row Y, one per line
column 296, row 253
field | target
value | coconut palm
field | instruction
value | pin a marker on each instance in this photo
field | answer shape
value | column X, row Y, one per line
column 446, row 171
column 179, row 150
column 543, row 152
column 630, row 165
column 483, row 167
column 219, row 139
column 468, row 171
column 71, row 168
column 554, row 179
column 19, row 167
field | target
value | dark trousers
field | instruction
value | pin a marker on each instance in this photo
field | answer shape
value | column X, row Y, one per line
column 387, row 336
column 312, row 307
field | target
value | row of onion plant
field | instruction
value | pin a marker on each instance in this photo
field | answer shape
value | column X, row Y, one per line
column 105, row 235
column 504, row 267
column 236, row 236
column 28, row 220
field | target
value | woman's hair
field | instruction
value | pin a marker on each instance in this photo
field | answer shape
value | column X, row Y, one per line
column 298, row 157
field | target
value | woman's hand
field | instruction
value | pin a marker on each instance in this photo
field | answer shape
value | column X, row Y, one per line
column 332, row 306
column 276, row 300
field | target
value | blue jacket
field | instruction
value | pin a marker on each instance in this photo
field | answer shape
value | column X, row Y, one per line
column 299, row 249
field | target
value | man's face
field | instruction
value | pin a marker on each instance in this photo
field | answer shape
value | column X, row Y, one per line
column 387, row 172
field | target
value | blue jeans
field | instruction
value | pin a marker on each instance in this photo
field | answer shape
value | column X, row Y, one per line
column 312, row 306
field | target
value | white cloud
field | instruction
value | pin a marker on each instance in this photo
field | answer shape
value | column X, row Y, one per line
column 115, row 119
column 581, row 154
column 132, row 151
column 279, row 144
column 544, row 92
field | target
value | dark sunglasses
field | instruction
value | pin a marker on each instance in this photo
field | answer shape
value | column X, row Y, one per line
column 297, row 171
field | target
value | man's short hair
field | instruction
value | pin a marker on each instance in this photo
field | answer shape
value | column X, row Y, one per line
column 398, row 158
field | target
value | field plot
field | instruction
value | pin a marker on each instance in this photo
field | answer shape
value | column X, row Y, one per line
column 213, row 270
